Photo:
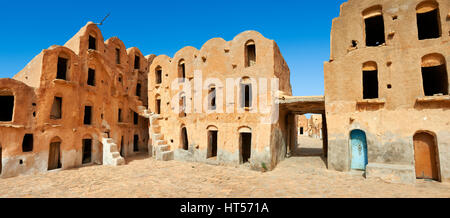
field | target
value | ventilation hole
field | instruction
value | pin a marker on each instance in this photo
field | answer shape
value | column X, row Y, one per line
column 389, row 63
column 20, row 162
column 389, row 86
column 395, row 17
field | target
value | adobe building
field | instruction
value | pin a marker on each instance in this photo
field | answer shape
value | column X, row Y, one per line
column 73, row 105
column 210, row 104
column 387, row 89
column 311, row 127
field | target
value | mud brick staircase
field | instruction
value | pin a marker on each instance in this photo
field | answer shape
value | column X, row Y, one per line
column 111, row 155
column 161, row 150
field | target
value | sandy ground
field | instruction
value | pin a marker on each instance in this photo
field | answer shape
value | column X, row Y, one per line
column 303, row 175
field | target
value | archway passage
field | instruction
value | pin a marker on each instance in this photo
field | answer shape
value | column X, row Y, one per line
column 212, row 144
column 358, row 146
column 246, row 146
column 184, row 138
column 54, row 157
column 425, row 156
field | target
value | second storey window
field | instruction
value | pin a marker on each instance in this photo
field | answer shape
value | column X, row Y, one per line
column 56, row 112
column 428, row 24
column 92, row 43
column 250, row 53
column 370, row 80
column 137, row 62
column 374, row 26
column 62, row 68
column 91, row 77
column 434, row 75
column 158, row 75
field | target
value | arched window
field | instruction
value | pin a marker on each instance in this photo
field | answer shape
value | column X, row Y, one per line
column 434, row 75
column 63, row 66
column 92, row 42
column 374, row 26
column 158, row 75
column 370, row 80
column 182, row 104
column 7, row 108
column 182, row 70
column 246, row 92
column 428, row 20
column 212, row 98
column 250, row 53
column 158, row 104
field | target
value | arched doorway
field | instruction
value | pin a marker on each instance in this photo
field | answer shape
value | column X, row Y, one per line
column 358, row 149
column 245, row 144
column 184, row 138
column 54, row 156
column 426, row 156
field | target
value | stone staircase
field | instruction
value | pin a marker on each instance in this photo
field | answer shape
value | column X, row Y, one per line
column 111, row 155
column 137, row 106
column 161, row 150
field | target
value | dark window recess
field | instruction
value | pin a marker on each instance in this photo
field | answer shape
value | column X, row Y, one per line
column 62, row 68
column 91, row 77
column 27, row 143
column 56, row 112
column 251, row 55
column 117, row 55
column 158, row 106
column 7, row 108
column 120, row 115
column 87, row 151
column 246, row 146
column 375, row 35
column 435, row 80
column 92, row 43
column 137, row 62
column 182, row 72
column 246, row 95
column 87, row 115
column 135, row 143
column 212, row 144
column 158, row 76
column 301, row 130
column 138, row 90
column 370, row 84
column 0, row 160
column 212, row 99
column 135, row 118
column 184, row 138
column 428, row 25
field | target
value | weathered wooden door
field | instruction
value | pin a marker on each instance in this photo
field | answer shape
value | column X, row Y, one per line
column 54, row 157
column 425, row 156
column 358, row 145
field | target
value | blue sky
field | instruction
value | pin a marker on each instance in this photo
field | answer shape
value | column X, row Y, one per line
column 300, row 28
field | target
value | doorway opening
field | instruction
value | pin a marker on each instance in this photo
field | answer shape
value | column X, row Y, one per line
column 121, row 147
column 87, row 151
column 27, row 143
column 87, row 115
column 358, row 150
column 184, row 139
column 91, row 77
column 309, row 137
column 54, row 157
column 62, row 68
column 136, row 143
column 212, row 144
column 56, row 112
column 245, row 141
column 426, row 156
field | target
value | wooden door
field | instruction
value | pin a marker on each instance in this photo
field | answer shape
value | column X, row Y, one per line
column 425, row 156
column 358, row 145
column 54, row 158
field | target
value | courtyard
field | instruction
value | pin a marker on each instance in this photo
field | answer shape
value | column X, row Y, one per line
column 304, row 175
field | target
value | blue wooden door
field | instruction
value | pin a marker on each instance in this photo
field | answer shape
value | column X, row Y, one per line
column 358, row 150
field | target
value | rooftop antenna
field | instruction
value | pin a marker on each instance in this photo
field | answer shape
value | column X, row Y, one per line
column 101, row 23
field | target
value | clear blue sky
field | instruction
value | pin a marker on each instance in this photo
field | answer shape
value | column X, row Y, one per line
column 300, row 28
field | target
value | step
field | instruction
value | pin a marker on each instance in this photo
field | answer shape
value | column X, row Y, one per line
column 163, row 148
column 161, row 142
column 113, row 148
column 156, row 128
column 109, row 140
column 141, row 108
column 164, row 156
column 115, row 154
column 119, row 161
column 158, row 136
